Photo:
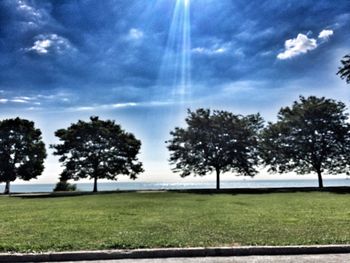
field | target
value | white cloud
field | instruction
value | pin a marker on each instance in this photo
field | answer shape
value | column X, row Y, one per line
column 49, row 42
column 208, row 51
column 135, row 34
column 302, row 44
column 121, row 105
column 36, row 100
column 41, row 46
column 16, row 100
column 60, row 96
column 19, row 101
column 31, row 17
column 27, row 9
column 215, row 49
column 85, row 108
column 243, row 86
column 296, row 46
column 24, row 98
column 34, row 108
column 325, row 34
column 105, row 106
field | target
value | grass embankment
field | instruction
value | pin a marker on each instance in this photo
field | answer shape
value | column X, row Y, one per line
column 139, row 220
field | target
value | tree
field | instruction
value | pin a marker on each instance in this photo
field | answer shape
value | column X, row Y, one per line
column 218, row 141
column 310, row 136
column 64, row 186
column 97, row 149
column 344, row 70
column 22, row 151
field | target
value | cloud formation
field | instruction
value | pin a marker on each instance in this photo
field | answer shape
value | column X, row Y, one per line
column 122, row 105
column 325, row 34
column 28, row 10
column 296, row 46
column 35, row 99
column 135, row 34
column 302, row 44
column 18, row 100
column 49, row 42
column 94, row 48
column 215, row 49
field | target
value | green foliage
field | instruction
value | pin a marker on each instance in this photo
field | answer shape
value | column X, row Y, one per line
column 97, row 149
column 311, row 136
column 22, row 151
column 168, row 219
column 218, row 141
column 344, row 70
column 64, row 186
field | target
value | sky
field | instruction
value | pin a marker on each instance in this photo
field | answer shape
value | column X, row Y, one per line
column 144, row 63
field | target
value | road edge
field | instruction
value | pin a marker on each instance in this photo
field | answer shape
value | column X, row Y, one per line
column 172, row 253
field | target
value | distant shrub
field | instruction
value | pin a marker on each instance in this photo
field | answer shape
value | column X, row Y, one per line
column 64, row 186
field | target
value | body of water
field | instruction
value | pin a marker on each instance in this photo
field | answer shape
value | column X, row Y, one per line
column 23, row 188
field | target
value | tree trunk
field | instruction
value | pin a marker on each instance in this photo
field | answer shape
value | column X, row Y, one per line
column 320, row 181
column 217, row 179
column 95, row 184
column 7, row 188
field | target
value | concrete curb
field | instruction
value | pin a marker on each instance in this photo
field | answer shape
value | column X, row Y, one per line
column 174, row 252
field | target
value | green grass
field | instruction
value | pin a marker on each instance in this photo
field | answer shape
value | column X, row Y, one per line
column 168, row 219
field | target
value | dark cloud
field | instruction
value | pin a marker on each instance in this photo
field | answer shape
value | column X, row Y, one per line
column 87, row 47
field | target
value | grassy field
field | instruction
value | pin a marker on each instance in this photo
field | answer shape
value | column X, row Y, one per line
column 167, row 219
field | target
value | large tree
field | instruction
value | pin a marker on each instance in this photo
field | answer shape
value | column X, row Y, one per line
column 215, row 142
column 344, row 70
column 22, row 151
column 97, row 150
column 310, row 136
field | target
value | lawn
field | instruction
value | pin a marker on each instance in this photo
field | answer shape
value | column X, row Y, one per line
column 170, row 219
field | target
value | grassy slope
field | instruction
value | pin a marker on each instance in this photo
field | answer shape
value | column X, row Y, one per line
column 136, row 220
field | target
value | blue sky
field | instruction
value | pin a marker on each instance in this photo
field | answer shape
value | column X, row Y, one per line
column 61, row 61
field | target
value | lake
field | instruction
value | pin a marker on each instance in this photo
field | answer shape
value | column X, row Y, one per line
column 21, row 188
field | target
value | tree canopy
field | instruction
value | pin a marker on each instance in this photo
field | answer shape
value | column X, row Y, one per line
column 310, row 136
column 97, row 150
column 219, row 141
column 344, row 70
column 22, row 151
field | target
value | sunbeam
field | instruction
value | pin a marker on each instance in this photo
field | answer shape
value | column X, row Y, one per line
column 175, row 72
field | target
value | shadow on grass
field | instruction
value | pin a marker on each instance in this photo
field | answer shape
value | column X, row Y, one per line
column 63, row 194
column 232, row 191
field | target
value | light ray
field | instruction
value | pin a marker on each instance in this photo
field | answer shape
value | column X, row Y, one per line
column 175, row 71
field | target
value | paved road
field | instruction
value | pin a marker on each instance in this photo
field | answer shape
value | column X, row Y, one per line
column 327, row 258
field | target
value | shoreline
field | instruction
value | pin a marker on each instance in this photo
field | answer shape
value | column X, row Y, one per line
column 331, row 189
column 138, row 186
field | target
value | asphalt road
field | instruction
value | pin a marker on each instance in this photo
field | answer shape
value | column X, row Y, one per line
column 324, row 258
